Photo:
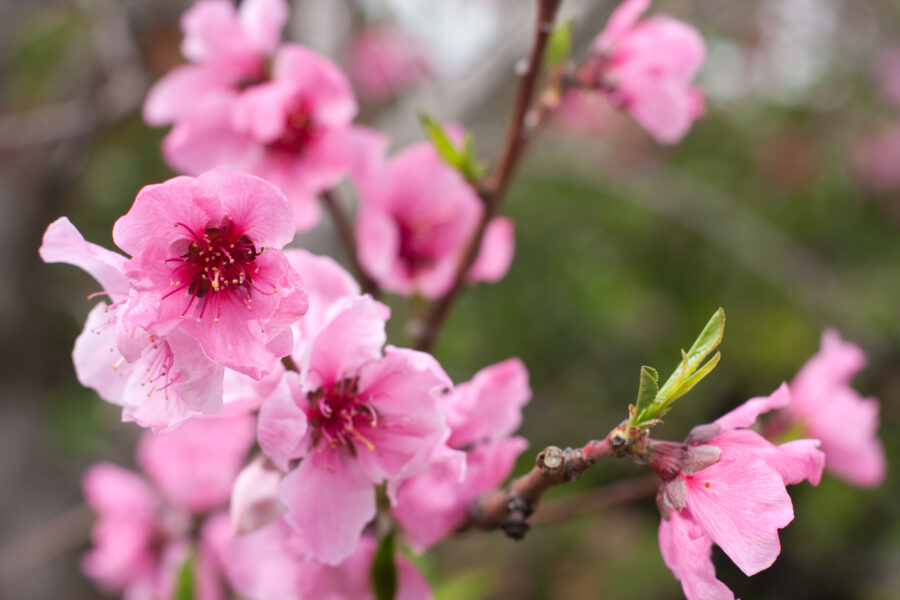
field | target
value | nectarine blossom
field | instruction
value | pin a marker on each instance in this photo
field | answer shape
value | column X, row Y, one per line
column 826, row 408
column 415, row 218
column 646, row 68
column 206, row 263
column 354, row 417
column 158, row 381
column 482, row 414
column 281, row 112
column 271, row 564
column 142, row 534
column 386, row 61
column 726, row 485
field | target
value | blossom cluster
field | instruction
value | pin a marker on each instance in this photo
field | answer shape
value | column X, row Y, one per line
column 284, row 430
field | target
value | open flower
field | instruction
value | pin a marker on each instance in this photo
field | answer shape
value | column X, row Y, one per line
column 354, row 418
column 726, row 485
column 482, row 415
column 825, row 406
column 416, row 216
column 142, row 535
column 164, row 380
column 646, row 68
column 281, row 112
column 206, row 264
column 386, row 61
column 271, row 564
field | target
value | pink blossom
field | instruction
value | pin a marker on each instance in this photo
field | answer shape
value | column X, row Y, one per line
column 195, row 466
column 142, row 534
column 281, row 112
column 271, row 564
column 416, row 216
column 158, row 381
column 386, row 61
column 887, row 70
column 206, row 264
column 355, row 417
column 329, row 286
column 482, row 414
column 828, row 409
column 255, row 501
column 875, row 159
column 726, row 485
column 646, row 67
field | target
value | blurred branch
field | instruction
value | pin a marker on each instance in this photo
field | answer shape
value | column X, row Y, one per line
column 752, row 241
column 50, row 539
column 509, row 508
column 348, row 241
column 595, row 500
column 118, row 59
column 492, row 194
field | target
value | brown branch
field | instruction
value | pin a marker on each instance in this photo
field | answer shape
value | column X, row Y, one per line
column 348, row 241
column 492, row 194
column 596, row 500
column 510, row 508
column 53, row 537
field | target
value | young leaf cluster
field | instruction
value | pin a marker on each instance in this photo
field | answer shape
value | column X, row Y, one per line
column 653, row 401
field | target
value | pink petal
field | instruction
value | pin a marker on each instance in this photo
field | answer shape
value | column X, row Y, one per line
column 110, row 489
column 262, row 22
column 151, row 221
column 404, row 388
column 741, row 510
column 213, row 36
column 282, row 424
column 257, row 207
column 329, row 503
column 322, row 83
column 490, row 406
column 623, row 18
column 496, row 253
column 687, row 551
column 195, row 465
column 255, row 499
column 182, row 92
column 353, row 338
column 63, row 243
column 746, row 414
column 795, row 461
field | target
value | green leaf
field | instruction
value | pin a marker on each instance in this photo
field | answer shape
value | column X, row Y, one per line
column 648, row 389
column 689, row 372
column 559, row 45
column 184, row 589
column 440, row 140
column 384, row 569
column 463, row 160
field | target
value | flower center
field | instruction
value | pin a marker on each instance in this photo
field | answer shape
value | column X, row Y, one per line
column 412, row 252
column 298, row 132
column 340, row 417
column 215, row 265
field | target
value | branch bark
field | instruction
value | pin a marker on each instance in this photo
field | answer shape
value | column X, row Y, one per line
column 492, row 194
column 348, row 241
column 509, row 508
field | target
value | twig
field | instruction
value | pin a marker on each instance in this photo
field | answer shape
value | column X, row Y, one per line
column 492, row 194
column 348, row 241
column 54, row 537
column 595, row 500
column 510, row 508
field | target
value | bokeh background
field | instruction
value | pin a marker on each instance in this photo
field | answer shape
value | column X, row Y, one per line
column 782, row 206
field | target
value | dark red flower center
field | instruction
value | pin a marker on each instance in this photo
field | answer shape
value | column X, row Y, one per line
column 412, row 253
column 339, row 416
column 215, row 265
column 299, row 130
